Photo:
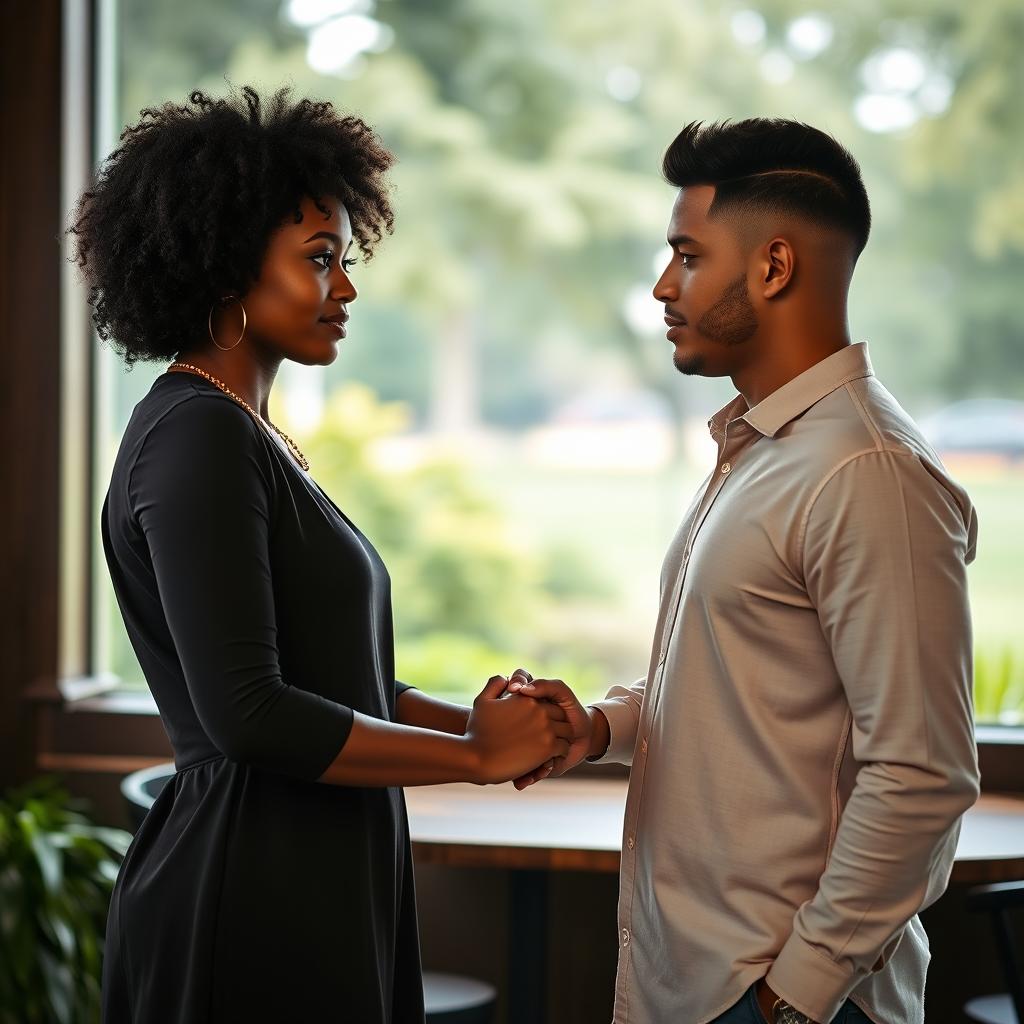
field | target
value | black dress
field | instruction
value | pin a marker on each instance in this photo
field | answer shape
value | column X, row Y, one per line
column 261, row 618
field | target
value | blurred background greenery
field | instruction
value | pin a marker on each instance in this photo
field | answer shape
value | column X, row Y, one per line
column 504, row 421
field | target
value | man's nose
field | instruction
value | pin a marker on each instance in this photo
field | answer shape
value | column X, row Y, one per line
column 665, row 289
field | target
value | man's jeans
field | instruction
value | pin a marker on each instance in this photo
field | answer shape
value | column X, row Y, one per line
column 746, row 1011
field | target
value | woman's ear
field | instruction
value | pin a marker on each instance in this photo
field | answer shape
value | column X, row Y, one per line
column 777, row 267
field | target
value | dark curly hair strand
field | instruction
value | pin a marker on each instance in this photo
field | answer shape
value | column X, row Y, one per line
column 182, row 211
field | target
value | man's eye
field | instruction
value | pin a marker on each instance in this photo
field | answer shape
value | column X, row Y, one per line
column 686, row 258
column 326, row 256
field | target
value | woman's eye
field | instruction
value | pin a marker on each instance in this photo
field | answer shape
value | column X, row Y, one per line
column 326, row 256
column 348, row 264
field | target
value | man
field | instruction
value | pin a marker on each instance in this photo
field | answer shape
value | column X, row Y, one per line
column 802, row 745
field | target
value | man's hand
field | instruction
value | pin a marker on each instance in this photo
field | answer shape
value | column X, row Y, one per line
column 555, row 691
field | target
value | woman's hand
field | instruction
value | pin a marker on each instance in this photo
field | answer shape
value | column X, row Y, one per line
column 511, row 735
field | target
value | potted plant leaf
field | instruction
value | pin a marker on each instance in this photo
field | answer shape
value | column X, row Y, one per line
column 57, row 870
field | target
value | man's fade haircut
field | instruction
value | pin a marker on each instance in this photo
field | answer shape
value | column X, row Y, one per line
column 773, row 166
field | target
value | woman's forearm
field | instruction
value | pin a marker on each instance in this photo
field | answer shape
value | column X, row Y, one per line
column 379, row 753
column 420, row 709
column 505, row 735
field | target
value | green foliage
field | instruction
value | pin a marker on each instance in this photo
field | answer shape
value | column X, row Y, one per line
column 453, row 565
column 469, row 597
column 529, row 205
column 998, row 688
column 57, row 871
column 521, row 175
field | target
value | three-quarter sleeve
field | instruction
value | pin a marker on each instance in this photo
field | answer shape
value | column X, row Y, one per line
column 202, row 491
column 885, row 554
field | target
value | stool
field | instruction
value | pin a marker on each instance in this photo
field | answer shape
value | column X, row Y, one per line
column 141, row 788
column 453, row 999
column 999, row 900
column 448, row 998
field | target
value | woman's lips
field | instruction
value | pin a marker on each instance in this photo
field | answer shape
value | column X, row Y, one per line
column 338, row 324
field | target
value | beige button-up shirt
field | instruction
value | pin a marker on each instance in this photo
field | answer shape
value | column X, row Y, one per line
column 802, row 747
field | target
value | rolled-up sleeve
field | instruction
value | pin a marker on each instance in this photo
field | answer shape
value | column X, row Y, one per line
column 201, row 491
column 885, row 548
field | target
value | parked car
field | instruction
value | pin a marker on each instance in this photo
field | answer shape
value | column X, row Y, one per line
column 978, row 426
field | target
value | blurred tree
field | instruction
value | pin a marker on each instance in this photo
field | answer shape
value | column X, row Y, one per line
column 530, row 213
column 528, row 193
column 468, row 598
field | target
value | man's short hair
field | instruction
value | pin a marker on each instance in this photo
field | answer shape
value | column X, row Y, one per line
column 773, row 166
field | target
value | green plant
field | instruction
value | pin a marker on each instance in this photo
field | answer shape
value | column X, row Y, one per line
column 456, row 563
column 57, row 871
column 998, row 688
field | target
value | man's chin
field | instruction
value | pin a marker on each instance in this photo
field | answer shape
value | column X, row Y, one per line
column 691, row 365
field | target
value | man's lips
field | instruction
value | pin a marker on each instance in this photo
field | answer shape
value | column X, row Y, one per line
column 673, row 323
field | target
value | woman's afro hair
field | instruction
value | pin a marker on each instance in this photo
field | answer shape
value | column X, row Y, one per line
column 182, row 211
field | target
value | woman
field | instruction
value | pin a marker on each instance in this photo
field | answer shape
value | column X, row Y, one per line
column 272, row 879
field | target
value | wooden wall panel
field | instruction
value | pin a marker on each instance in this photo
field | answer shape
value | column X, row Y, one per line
column 30, row 264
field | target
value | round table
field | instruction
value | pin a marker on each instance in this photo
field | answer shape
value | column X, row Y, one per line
column 576, row 825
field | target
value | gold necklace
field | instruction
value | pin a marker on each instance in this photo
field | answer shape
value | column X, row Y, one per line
column 292, row 446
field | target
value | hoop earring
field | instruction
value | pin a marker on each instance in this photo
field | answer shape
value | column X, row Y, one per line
column 209, row 323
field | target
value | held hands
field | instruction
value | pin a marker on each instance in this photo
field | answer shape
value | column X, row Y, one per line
column 511, row 735
column 555, row 692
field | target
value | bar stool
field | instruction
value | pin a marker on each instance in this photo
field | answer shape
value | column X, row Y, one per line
column 453, row 999
column 999, row 900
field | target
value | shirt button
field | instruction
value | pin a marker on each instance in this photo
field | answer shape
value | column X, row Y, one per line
column 726, row 467
column 643, row 747
column 631, row 842
column 625, row 936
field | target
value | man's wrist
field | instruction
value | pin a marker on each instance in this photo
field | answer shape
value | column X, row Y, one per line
column 600, row 733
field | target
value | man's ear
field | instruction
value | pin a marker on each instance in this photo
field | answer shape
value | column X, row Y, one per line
column 777, row 265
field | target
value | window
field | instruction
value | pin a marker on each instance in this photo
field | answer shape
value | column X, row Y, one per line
column 503, row 420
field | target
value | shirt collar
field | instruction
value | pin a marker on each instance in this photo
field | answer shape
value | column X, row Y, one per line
column 795, row 397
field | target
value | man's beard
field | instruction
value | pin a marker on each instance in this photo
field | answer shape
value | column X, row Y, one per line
column 730, row 321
